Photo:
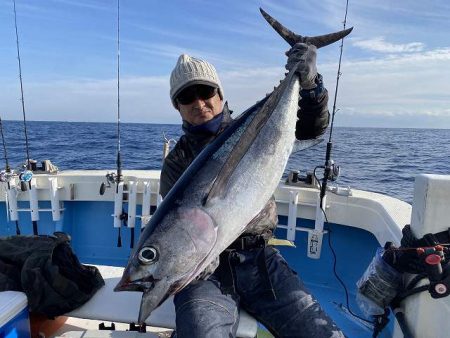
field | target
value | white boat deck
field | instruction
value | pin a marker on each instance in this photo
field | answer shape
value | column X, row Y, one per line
column 123, row 307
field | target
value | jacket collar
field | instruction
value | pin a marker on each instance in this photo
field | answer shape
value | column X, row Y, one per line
column 209, row 128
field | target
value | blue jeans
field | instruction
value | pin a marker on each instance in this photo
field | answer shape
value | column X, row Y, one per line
column 202, row 310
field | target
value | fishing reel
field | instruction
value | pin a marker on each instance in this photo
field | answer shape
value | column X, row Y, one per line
column 335, row 171
column 6, row 175
column 111, row 178
column 23, row 173
column 26, row 176
column 332, row 171
column 436, row 268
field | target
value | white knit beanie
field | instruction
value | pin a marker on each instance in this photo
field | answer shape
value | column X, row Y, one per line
column 189, row 71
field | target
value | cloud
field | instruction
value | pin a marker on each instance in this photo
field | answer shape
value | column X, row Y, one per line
column 379, row 44
column 396, row 90
column 403, row 90
column 143, row 99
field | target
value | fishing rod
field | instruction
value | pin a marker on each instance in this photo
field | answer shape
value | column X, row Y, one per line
column 21, row 90
column 119, row 160
column 6, row 176
column 119, row 177
column 331, row 171
column 26, row 175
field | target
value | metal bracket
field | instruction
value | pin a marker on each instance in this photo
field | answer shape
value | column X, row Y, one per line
column 315, row 236
column 292, row 215
column 34, row 205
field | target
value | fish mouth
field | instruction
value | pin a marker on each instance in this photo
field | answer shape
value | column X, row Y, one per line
column 153, row 298
column 145, row 284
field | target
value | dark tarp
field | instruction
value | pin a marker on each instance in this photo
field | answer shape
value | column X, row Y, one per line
column 47, row 270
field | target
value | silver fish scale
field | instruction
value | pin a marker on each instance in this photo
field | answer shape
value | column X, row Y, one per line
column 229, row 144
column 258, row 173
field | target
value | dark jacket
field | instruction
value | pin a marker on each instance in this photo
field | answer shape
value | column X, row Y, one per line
column 313, row 120
column 46, row 269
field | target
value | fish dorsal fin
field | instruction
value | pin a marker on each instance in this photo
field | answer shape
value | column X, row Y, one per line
column 305, row 144
column 292, row 38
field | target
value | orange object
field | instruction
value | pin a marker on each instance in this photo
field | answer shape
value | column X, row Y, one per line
column 41, row 326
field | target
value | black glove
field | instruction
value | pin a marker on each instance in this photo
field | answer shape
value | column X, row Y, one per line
column 302, row 59
column 313, row 116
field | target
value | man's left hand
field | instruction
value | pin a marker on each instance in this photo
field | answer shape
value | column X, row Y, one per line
column 303, row 56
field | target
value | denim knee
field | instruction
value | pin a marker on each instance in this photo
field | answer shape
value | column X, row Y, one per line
column 203, row 311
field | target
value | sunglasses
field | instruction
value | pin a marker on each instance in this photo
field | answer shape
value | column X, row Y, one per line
column 202, row 92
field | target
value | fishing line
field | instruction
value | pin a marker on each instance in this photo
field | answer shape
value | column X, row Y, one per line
column 338, row 75
column 337, row 276
column 21, row 89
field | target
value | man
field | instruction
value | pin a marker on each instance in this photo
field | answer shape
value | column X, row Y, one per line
column 251, row 274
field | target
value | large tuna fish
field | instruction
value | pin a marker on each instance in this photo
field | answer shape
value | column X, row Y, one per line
column 223, row 189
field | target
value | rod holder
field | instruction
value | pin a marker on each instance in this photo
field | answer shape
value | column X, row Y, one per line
column 315, row 236
column 118, row 203
column 132, row 194
column 292, row 215
column 146, row 204
column 32, row 193
column 11, row 195
column 54, row 199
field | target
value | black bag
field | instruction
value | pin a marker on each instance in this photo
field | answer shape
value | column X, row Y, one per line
column 47, row 270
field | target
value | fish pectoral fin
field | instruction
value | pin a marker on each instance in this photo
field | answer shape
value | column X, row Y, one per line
column 200, row 228
column 218, row 189
column 300, row 145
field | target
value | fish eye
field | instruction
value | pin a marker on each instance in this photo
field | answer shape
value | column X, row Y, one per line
column 148, row 255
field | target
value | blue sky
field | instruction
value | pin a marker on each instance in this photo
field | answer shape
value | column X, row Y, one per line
column 396, row 63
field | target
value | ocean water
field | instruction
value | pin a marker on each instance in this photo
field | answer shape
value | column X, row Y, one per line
column 373, row 159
